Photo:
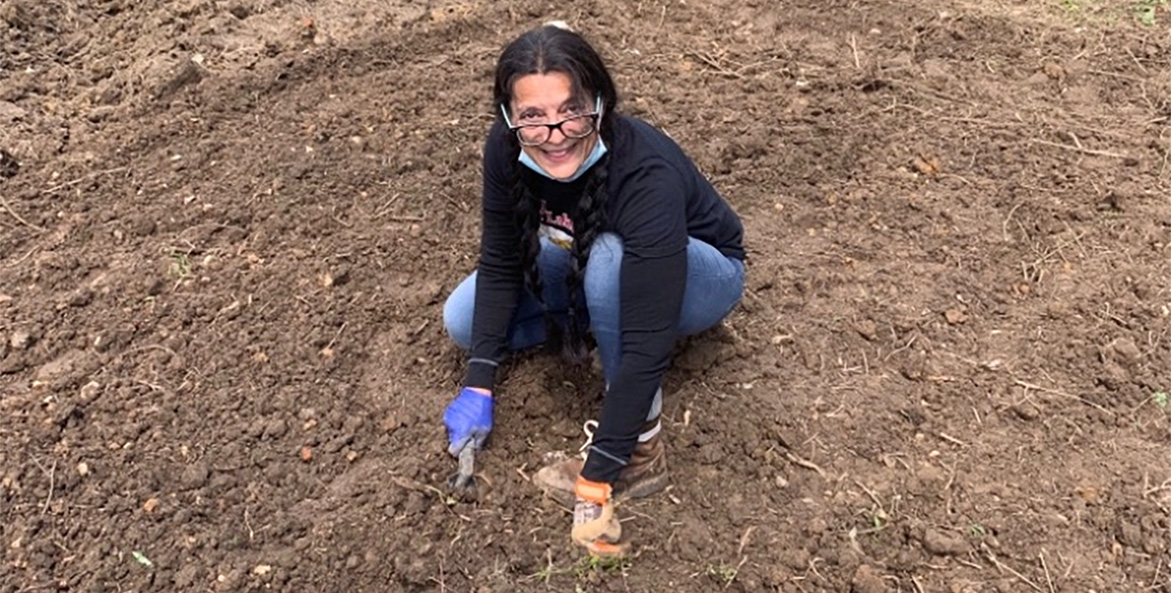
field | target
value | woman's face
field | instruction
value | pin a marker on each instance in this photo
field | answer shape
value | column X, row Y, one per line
column 548, row 99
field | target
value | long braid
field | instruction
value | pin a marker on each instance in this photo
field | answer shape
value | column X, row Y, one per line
column 588, row 221
column 528, row 215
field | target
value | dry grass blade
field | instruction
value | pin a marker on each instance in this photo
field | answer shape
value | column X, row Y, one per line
column 1028, row 385
column 18, row 217
column 1010, row 570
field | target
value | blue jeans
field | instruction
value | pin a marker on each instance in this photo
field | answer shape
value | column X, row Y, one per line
column 715, row 284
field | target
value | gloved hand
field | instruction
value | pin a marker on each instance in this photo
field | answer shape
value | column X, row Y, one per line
column 595, row 525
column 468, row 418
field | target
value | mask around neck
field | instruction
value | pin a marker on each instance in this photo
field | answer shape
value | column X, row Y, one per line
column 595, row 155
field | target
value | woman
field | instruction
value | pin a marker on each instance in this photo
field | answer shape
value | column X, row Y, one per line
column 592, row 221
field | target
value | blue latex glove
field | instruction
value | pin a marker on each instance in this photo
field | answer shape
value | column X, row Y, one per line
column 468, row 418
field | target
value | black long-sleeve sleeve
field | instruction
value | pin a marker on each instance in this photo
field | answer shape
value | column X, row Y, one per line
column 499, row 277
column 652, row 281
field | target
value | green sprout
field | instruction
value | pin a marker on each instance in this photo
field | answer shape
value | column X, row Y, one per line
column 141, row 558
column 723, row 573
column 604, row 564
column 1160, row 398
column 180, row 265
column 1145, row 10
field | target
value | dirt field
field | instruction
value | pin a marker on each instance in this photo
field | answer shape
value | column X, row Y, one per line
column 228, row 227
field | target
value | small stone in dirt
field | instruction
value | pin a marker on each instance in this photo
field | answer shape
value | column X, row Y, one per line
column 150, row 505
column 867, row 580
column 306, row 453
column 83, row 469
column 1113, row 201
column 338, row 443
column 926, row 166
column 194, row 476
column 1026, row 411
column 89, row 392
column 391, row 423
column 867, row 329
column 942, row 544
column 20, row 339
column 80, row 297
column 1130, row 534
column 276, row 428
column 239, row 10
column 955, row 316
column 9, row 166
column 1125, row 349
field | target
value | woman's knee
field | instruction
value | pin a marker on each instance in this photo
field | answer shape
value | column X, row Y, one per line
column 601, row 276
column 458, row 312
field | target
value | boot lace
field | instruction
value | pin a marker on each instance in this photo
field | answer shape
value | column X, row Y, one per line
column 588, row 428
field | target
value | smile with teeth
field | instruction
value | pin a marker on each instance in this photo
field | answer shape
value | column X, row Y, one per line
column 560, row 154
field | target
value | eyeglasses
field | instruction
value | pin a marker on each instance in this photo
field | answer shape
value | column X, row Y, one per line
column 574, row 126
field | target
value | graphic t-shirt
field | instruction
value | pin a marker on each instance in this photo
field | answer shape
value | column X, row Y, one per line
column 557, row 225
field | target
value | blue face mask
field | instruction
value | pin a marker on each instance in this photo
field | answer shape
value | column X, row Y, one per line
column 595, row 155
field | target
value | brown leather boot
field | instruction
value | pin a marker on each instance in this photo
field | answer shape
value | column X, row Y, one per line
column 644, row 475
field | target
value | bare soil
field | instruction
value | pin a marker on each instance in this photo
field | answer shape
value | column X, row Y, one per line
column 227, row 230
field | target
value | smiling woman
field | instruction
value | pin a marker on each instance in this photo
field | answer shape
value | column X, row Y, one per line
column 594, row 222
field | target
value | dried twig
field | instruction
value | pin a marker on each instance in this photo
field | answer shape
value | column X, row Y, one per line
column 1028, row 385
column 4, row 203
column 714, row 64
column 805, row 464
column 1007, row 219
column 1166, row 485
column 744, row 539
column 1045, row 567
column 1083, row 150
column 952, row 439
column 918, row 585
column 1006, row 568
column 83, row 178
column 51, row 473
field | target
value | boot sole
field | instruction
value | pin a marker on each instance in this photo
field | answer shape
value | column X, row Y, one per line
column 645, row 488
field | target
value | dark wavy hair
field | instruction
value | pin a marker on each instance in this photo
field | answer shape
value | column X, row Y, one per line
column 556, row 49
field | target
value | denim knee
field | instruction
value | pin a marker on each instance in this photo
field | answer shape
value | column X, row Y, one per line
column 458, row 312
column 601, row 276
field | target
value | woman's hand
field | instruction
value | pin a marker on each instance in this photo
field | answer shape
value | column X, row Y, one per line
column 468, row 419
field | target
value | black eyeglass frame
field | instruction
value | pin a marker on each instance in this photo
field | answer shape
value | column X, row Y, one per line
column 596, row 115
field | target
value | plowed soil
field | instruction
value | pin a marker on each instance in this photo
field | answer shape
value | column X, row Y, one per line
column 227, row 230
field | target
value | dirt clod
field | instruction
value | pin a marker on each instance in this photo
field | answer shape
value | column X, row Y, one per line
column 867, row 580
column 194, row 476
column 944, row 544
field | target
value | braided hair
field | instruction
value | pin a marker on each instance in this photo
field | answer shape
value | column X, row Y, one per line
column 554, row 48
